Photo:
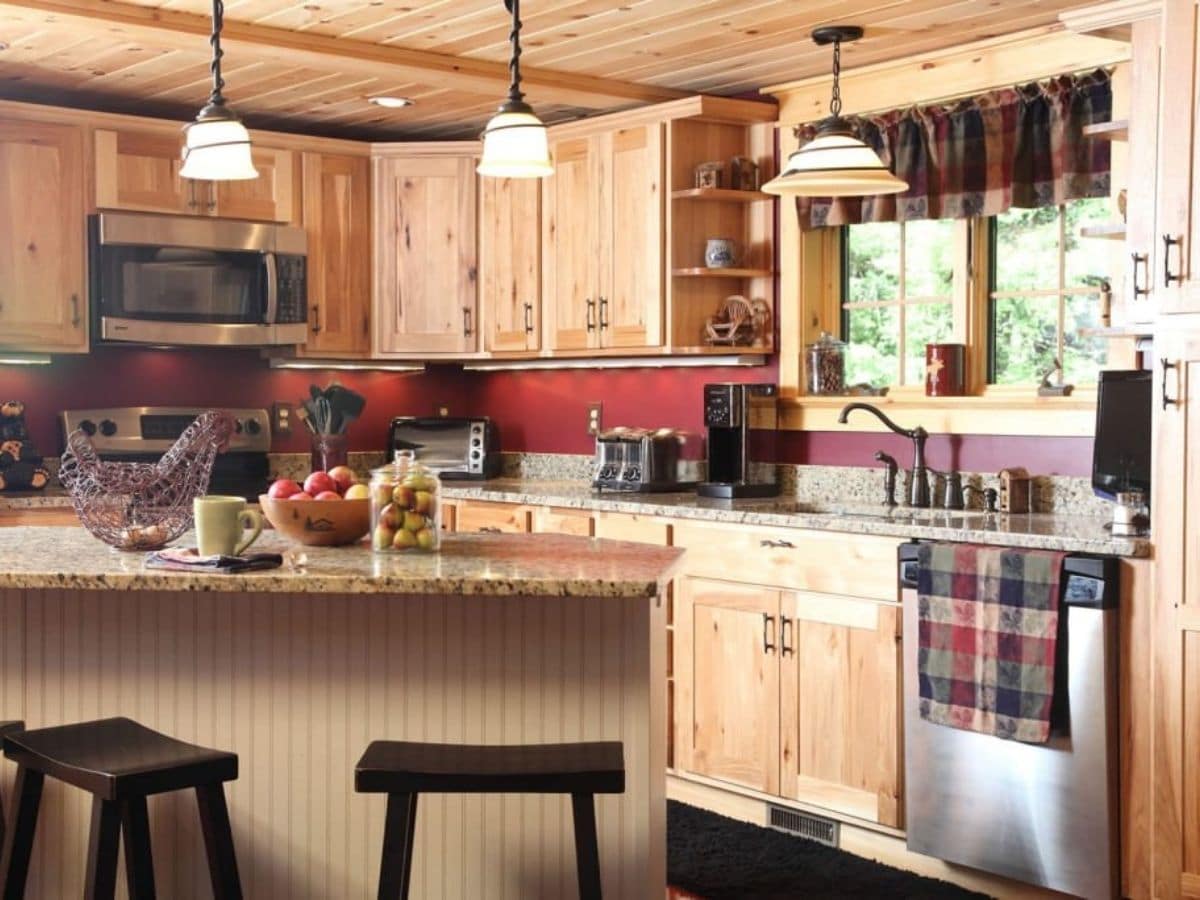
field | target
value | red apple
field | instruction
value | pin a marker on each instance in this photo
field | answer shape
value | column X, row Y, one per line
column 319, row 482
column 343, row 477
column 303, row 495
column 283, row 488
column 328, row 495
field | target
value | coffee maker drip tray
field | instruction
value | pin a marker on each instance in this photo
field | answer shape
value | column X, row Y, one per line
column 727, row 490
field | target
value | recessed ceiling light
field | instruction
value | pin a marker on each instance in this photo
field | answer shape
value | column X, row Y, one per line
column 391, row 102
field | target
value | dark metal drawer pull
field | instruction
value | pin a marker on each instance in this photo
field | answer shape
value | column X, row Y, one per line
column 529, row 318
column 785, row 626
column 1168, row 243
column 489, row 529
column 591, row 308
column 780, row 545
column 768, row 619
column 1140, row 259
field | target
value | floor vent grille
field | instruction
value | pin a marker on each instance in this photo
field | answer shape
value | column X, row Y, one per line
column 823, row 831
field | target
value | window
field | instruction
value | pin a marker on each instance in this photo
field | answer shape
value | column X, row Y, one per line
column 904, row 284
column 1045, row 288
column 897, row 296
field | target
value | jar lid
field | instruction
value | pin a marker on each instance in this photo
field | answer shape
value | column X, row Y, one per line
column 827, row 341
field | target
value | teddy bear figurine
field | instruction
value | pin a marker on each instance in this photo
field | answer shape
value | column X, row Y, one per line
column 21, row 466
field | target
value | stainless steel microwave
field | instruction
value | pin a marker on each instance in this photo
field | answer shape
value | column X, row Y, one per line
column 194, row 281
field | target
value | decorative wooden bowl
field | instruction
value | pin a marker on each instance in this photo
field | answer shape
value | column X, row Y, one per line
column 318, row 523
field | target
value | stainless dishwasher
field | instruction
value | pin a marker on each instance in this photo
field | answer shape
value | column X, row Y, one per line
column 1046, row 814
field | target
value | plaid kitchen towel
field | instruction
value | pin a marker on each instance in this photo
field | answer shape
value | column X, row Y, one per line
column 988, row 634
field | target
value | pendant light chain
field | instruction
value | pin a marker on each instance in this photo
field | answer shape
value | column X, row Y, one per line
column 835, row 103
column 514, row 64
column 218, row 17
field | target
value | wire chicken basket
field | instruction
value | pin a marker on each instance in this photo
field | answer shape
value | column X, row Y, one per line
column 143, row 506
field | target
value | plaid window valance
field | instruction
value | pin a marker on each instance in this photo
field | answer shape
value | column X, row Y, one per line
column 1021, row 146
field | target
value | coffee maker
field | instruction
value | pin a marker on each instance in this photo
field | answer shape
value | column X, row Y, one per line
column 742, row 422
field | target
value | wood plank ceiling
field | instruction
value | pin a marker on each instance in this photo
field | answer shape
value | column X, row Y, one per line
column 309, row 65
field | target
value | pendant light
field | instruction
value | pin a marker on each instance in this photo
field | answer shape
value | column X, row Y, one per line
column 835, row 163
column 515, row 144
column 217, row 145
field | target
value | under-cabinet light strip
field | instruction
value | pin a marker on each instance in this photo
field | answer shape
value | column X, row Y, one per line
column 614, row 362
column 23, row 359
column 346, row 366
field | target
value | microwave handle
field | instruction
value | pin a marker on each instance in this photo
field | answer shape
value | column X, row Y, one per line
column 272, row 265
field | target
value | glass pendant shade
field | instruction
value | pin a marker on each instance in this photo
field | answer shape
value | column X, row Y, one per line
column 834, row 164
column 217, row 149
column 515, row 146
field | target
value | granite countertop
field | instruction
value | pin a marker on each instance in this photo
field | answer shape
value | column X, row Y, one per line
column 37, row 557
column 1048, row 531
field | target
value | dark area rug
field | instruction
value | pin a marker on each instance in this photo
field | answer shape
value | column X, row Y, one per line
column 724, row 859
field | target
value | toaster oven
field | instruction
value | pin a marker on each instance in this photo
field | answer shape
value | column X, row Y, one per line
column 454, row 447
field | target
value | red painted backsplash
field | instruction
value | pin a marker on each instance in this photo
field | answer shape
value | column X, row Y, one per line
column 536, row 410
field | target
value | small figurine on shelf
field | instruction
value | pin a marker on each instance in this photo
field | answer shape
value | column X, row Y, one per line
column 1058, row 389
column 1016, row 490
column 739, row 323
column 743, row 174
column 710, row 175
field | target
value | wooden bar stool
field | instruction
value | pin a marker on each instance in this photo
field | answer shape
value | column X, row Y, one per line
column 403, row 770
column 120, row 763
column 6, row 728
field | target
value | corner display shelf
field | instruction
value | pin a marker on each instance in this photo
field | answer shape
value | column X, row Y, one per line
column 1116, row 130
column 705, row 272
column 1113, row 231
column 721, row 195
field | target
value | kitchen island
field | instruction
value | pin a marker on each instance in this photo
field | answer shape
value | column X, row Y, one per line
column 497, row 639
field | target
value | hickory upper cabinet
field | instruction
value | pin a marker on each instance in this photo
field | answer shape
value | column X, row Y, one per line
column 138, row 171
column 426, row 276
column 42, row 281
column 603, row 230
column 510, row 264
column 337, row 222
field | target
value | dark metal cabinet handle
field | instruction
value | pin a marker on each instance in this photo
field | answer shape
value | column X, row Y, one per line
column 529, row 318
column 316, row 318
column 75, row 310
column 768, row 619
column 780, row 545
column 1168, row 401
column 489, row 529
column 591, row 309
column 1168, row 243
column 1140, row 259
column 785, row 626
column 191, row 194
column 603, row 313
column 211, row 204
column 466, row 321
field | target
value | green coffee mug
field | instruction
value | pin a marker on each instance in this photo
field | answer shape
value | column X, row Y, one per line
column 221, row 523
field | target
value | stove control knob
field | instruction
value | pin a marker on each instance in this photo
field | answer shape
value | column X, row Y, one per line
column 88, row 427
column 253, row 426
column 108, row 427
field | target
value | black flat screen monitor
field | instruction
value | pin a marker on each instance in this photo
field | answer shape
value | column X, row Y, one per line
column 1121, row 455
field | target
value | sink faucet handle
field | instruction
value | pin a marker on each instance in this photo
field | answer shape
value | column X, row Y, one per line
column 889, row 477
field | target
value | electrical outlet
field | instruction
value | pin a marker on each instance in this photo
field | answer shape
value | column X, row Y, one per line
column 443, row 410
column 282, row 416
column 595, row 420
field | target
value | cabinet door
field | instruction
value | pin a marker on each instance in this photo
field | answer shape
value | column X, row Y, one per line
column 510, row 262
column 1141, row 238
column 271, row 197
column 1176, row 530
column 1177, row 122
column 840, row 702
column 42, row 286
column 631, row 303
column 425, row 267
column 571, row 232
column 140, row 171
column 337, row 220
column 727, row 682
column 555, row 520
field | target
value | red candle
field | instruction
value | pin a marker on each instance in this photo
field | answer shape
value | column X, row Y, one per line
column 945, row 370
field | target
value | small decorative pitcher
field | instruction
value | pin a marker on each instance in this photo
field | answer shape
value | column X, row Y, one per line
column 720, row 253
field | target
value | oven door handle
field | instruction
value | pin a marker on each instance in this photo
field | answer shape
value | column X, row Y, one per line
column 272, row 265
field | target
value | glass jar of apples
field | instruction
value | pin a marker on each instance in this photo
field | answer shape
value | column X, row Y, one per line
column 406, row 506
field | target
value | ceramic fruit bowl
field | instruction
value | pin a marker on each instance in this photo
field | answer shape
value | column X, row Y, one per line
column 318, row 523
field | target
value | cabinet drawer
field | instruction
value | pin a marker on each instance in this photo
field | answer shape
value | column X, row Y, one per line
column 503, row 517
column 829, row 562
column 554, row 520
column 627, row 527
